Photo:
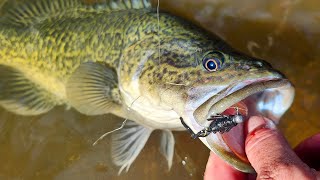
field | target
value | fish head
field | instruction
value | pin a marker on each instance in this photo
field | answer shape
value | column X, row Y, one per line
column 199, row 82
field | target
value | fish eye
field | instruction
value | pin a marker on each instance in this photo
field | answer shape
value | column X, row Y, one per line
column 212, row 61
column 210, row 64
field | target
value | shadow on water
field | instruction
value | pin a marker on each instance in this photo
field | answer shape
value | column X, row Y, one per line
column 58, row 145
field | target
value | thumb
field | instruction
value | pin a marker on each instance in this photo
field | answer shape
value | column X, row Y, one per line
column 270, row 154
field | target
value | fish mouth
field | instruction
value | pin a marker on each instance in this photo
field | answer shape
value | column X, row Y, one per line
column 269, row 97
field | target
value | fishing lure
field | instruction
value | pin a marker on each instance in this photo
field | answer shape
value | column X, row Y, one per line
column 220, row 123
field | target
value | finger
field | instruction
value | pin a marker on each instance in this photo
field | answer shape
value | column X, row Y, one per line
column 219, row 169
column 270, row 154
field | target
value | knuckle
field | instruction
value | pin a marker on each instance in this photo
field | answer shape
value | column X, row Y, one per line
column 266, row 175
column 273, row 171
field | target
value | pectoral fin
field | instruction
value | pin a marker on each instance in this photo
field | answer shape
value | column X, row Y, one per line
column 93, row 89
column 167, row 146
column 20, row 95
column 127, row 144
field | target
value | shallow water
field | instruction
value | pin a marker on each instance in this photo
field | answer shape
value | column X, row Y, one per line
column 58, row 145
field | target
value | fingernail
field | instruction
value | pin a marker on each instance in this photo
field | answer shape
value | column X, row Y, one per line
column 259, row 122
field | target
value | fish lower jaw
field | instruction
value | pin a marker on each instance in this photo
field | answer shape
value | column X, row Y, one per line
column 235, row 138
column 230, row 145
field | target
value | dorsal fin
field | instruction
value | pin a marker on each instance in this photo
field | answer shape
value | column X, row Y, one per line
column 38, row 10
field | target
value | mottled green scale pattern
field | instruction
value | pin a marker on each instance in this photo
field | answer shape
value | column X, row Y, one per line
column 182, row 46
column 50, row 49
column 58, row 47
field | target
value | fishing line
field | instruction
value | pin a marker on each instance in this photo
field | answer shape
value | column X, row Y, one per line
column 117, row 129
column 129, row 108
column 159, row 41
column 107, row 133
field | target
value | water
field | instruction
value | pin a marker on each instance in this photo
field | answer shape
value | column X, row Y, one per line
column 58, row 145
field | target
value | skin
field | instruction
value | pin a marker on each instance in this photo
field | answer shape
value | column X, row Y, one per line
column 269, row 154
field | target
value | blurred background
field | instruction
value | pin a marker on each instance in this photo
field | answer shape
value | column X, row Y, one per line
column 58, row 144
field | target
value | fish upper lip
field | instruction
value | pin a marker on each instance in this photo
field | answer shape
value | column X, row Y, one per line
column 239, row 86
column 229, row 90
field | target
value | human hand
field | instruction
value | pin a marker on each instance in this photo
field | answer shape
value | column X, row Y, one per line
column 270, row 155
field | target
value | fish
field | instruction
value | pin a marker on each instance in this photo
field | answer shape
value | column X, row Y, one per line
column 126, row 58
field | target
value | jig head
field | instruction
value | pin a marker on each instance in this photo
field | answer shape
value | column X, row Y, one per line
column 220, row 123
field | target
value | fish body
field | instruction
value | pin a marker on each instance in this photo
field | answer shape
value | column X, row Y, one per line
column 132, row 62
column 50, row 50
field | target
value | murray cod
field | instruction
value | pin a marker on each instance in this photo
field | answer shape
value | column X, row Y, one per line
column 124, row 58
